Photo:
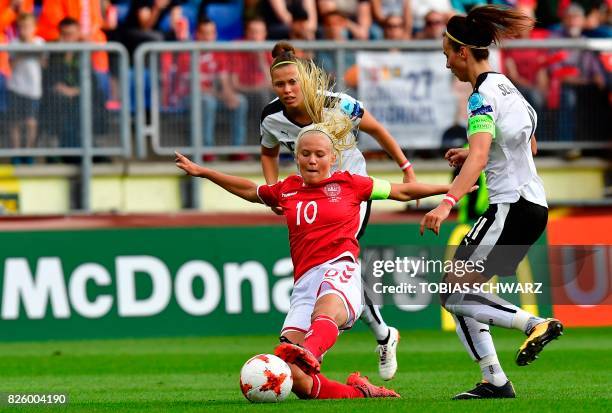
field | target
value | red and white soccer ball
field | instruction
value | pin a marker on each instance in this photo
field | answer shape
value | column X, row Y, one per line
column 265, row 379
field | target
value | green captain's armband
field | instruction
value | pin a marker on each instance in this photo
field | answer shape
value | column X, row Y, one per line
column 381, row 189
column 481, row 123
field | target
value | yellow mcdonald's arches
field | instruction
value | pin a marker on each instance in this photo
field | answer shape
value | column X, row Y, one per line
column 448, row 324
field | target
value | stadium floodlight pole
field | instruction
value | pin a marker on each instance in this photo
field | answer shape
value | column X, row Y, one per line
column 86, row 128
column 196, row 126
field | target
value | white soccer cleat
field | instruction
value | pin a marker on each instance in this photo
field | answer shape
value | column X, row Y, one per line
column 387, row 360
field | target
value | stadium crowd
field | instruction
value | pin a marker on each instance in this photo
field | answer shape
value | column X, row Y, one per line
column 560, row 85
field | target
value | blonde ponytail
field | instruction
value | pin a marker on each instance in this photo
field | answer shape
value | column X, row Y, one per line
column 324, row 108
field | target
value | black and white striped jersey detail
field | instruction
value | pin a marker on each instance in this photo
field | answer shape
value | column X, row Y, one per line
column 502, row 236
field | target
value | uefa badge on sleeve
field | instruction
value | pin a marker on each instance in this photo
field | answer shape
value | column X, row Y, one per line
column 475, row 101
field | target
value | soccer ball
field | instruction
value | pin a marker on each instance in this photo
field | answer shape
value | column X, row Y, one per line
column 265, row 379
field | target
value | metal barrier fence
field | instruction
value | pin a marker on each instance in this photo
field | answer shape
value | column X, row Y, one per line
column 179, row 86
column 53, row 104
column 180, row 102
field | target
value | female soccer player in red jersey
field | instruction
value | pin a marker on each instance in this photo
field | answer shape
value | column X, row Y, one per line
column 281, row 121
column 322, row 213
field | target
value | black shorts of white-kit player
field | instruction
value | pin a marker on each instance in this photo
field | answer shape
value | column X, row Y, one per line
column 502, row 236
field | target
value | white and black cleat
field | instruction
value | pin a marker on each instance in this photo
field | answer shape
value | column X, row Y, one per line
column 387, row 355
column 485, row 390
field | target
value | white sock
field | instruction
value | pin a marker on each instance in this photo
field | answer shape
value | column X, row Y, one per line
column 372, row 317
column 492, row 371
column 491, row 309
column 478, row 342
column 525, row 321
column 474, row 336
column 531, row 322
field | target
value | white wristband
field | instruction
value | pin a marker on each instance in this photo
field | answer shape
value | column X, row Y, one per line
column 405, row 165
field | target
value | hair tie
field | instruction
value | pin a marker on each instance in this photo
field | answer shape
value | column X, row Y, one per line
column 283, row 62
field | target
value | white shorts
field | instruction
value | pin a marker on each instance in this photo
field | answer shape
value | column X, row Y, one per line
column 342, row 278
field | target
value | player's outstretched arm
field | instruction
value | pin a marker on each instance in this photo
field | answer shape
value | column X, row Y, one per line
column 269, row 163
column 238, row 186
column 371, row 126
column 416, row 190
column 534, row 145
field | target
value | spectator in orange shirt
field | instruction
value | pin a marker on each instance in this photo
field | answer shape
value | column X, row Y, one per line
column 88, row 13
column 9, row 10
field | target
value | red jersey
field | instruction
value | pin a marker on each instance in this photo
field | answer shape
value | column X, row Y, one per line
column 323, row 219
column 212, row 64
column 251, row 68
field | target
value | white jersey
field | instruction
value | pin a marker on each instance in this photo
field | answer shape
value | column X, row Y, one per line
column 276, row 128
column 510, row 170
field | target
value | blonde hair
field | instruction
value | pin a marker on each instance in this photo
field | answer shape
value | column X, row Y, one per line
column 323, row 108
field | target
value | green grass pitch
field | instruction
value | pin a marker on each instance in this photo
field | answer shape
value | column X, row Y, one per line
column 201, row 374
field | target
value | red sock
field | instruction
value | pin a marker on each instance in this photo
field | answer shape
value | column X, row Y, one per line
column 324, row 388
column 322, row 334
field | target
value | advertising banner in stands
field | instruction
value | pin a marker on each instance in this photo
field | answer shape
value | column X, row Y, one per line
column 413, row 95
column 410, row 94
column 584, row 300
column 147, row 282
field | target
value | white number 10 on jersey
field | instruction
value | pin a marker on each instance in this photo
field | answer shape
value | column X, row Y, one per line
column 310, row 212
